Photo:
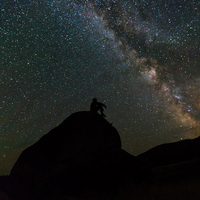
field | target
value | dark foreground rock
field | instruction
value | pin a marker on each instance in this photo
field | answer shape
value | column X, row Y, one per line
column 80, row 138
column 80, row 159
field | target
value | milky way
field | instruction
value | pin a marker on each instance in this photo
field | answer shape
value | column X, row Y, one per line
column 140, row 58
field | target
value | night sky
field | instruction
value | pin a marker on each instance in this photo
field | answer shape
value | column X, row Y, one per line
column 140, row 58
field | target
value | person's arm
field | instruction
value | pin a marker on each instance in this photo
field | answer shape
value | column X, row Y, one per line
column 103, row 105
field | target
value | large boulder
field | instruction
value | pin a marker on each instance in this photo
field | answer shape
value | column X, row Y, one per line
column 81, row 137
column 81, row 158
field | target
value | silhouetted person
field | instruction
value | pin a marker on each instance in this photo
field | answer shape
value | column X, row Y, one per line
column 95, row 106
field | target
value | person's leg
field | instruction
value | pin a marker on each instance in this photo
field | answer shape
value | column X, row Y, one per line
column 101, row 110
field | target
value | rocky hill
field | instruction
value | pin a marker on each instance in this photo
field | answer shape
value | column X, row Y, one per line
column 79, row 159
column 82, row 159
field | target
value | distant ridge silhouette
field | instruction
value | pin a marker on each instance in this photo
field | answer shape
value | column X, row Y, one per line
column 171, row 153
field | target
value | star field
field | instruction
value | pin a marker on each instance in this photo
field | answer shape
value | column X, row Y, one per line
column 140, row 58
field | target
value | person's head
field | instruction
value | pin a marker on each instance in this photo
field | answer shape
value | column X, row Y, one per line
column 95, row 100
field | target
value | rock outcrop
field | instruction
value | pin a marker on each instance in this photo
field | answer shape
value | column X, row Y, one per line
column 79, row 159
column 80, row 138
column 82, row 159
